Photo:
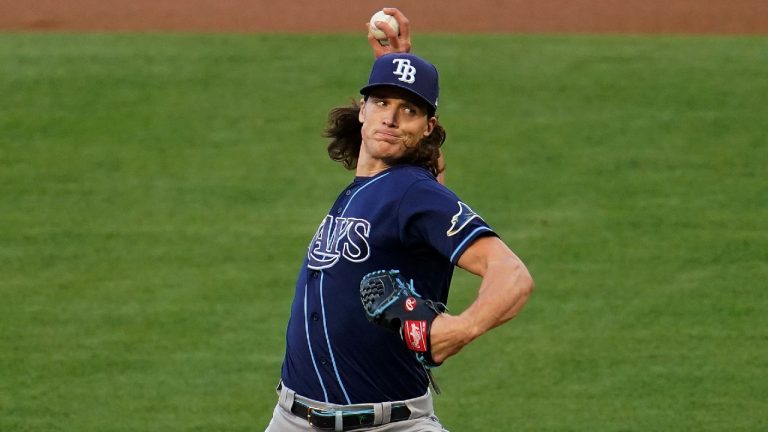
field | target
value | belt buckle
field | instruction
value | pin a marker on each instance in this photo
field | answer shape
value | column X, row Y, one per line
column 309, row 415
column 320, row 413
column 338, row 418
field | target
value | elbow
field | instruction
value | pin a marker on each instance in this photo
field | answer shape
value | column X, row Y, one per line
column 519, row 279
column 522, row 278
column 524, row 283
column 522, row 288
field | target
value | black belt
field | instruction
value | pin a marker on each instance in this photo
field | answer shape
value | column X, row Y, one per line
column 351, row 419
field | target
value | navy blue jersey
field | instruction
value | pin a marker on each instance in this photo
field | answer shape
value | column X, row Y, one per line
column 400, row 219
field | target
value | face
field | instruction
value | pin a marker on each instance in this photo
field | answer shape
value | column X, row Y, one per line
column 393, row 125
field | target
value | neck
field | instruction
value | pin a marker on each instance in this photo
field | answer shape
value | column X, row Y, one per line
column 369, row 167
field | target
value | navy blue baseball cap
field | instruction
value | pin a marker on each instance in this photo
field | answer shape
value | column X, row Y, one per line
column 406, row 71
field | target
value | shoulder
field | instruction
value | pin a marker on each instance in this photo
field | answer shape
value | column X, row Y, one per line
column 404, row 179
column 411, row 173
column 419, row 189
column 411, row 178
column 410, row 185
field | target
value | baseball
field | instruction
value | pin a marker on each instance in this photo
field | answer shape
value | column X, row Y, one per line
column 389, row 19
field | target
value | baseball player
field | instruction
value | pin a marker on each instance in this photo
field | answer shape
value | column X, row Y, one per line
column 367, row 323
column 399, row 42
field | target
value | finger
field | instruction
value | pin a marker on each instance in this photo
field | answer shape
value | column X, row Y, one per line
column 392, row 36
column 387, row 29
column 371, row 37
column 378, row 49
column 402, row 21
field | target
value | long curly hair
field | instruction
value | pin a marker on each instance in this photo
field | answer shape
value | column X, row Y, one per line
column 344, row 128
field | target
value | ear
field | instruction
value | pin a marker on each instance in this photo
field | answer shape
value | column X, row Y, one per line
column 361, row 113
column 430, row 126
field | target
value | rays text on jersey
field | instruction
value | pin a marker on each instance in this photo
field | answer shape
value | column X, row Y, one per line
column 339, row 237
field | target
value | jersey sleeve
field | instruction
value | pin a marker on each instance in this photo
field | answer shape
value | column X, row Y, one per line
column 430, row 214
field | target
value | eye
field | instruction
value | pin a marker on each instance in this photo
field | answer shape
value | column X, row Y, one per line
column 411, row 111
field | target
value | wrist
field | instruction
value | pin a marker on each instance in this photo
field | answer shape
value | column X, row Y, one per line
column 470, row 330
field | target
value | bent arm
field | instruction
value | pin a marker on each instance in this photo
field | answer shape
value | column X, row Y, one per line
column 505, row 288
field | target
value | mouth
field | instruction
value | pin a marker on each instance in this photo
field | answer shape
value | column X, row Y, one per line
column 386, row 136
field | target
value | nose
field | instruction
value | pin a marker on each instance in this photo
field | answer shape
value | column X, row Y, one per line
column 389, row 118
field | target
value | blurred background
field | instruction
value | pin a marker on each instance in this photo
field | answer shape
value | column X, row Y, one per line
column 517, row 16
column 162, row 170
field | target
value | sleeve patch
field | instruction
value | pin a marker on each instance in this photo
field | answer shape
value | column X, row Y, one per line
column 461, row 219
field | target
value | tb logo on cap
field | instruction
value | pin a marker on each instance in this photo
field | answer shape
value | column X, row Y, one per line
column 405, row 70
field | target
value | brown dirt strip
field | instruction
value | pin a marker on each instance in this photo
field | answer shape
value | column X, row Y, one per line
column 516, row 16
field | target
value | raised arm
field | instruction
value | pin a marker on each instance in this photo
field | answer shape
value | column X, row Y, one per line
column 397, row 43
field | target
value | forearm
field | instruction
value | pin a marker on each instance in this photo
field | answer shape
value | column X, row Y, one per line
column 504, row 290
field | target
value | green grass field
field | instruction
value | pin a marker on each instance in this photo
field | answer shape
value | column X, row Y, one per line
column 157, row 193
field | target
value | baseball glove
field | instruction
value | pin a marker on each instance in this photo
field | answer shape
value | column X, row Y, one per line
column 392, row 303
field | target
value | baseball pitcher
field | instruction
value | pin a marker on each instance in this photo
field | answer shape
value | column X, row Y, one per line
column 368, row 323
